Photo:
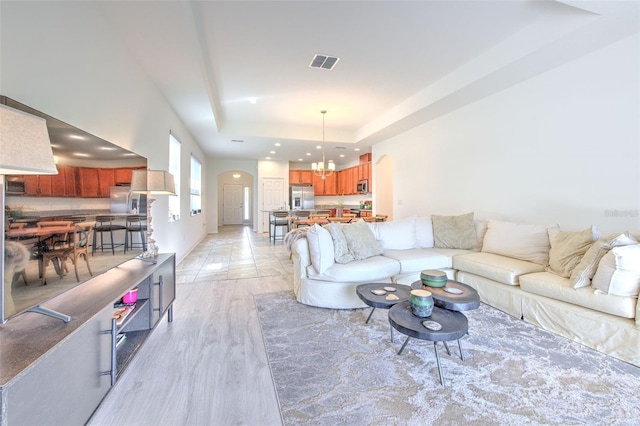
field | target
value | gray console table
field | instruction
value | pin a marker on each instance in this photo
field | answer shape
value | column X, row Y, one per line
column 52, row 372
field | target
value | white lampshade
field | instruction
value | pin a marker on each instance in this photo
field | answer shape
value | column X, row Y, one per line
column 25, row 147
column 153, row 182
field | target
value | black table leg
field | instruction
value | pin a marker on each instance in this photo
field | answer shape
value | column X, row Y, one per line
column 460, row 347
column 367, row 321
column 435, row 348
column 403, row 345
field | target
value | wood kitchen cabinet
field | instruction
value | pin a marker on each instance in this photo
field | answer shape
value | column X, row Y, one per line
column 64, row 183
column 31, row 185
column 300, row 177
column 88, row 182
column 106, row 179
column 123, row 176
column 326, row 186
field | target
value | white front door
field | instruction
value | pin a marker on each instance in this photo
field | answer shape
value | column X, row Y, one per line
column 273, row 199
column 232, row 204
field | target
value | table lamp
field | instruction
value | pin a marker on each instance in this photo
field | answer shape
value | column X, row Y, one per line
column 25, row 149
column 152, row 182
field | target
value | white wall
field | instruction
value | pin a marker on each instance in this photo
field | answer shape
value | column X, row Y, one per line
column 562, row 147
column 63, row 59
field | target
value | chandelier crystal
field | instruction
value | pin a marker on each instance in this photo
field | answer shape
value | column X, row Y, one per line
column 319, row 169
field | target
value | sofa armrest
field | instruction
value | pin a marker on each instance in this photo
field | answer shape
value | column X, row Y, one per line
column 638, row 313
column 301, row 257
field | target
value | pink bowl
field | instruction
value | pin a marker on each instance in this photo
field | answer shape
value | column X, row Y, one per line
column 130, row 296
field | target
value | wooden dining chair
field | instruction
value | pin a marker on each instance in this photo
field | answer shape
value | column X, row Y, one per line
column 77, row 247
column 58, row 239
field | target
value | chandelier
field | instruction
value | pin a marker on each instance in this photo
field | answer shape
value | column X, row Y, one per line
column 319, row 169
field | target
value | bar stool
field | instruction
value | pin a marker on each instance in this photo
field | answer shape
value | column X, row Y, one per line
column 135, row 224
column 278, row 220
column 105, row 224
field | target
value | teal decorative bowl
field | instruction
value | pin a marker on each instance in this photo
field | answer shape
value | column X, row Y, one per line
column 433, row 278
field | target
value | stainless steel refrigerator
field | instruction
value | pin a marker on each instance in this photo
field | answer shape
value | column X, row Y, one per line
column 301, row 198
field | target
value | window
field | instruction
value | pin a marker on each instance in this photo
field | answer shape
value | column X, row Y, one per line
column 196, row 187
column 245, row 202
column 174, row 169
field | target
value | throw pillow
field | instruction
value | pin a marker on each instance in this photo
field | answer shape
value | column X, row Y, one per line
column 585, row 270
column 397, row 234
column 320, row 248
column 424, row 232
column 517, row 240
column 567, row 249
column 457, row 232
column 619, row 272
column 340, row 247
column 361, row 240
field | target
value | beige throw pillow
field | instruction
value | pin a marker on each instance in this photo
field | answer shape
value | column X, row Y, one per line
column 586, row 269
column 567, row 249
column 457, row 232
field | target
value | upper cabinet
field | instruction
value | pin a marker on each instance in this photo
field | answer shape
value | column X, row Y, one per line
column 300, row 177
column 84, row 182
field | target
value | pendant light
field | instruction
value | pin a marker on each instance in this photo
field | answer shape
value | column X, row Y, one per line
column 319, row 169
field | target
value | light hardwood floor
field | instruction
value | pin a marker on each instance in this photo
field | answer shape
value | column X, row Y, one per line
column 209, row 366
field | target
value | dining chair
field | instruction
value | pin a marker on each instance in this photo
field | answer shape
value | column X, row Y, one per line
column 57, row 239
column 135, row 224
column 105, row 224
column 77, row 247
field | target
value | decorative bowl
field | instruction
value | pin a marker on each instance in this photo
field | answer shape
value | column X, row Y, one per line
column 433, row 278
column 130, row 296
column 421, row 303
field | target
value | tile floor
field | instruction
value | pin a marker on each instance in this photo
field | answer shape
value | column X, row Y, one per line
column 235, row 252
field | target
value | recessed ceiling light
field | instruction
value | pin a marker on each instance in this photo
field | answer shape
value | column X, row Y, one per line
column 341, row 155
column 79, row 137
column 277, row 144
column 299, row 159
column 319, row 147
column 272, row 152
column 308, row 153
column 357, row 149
column 268, row 158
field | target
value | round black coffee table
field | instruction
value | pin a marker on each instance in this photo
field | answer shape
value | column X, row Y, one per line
column 454, row 326
column 467, row 300
column 379, row 301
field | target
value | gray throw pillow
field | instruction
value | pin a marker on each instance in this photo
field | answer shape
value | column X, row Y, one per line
column 361, row 240
column 340, row 247
column 457, row 232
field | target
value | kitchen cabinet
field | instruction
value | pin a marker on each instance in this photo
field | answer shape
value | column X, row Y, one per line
column 123, row 175
column 64, row 183
column 44, row 185
column 88, row 182
column 31, row 185
column 106, row 179
column 300, row 177
column 326, row 186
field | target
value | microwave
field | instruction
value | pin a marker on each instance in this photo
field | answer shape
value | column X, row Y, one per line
column 363, row 186
column 15, row 186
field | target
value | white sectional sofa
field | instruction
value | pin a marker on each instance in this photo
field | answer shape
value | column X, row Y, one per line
column 533, row 272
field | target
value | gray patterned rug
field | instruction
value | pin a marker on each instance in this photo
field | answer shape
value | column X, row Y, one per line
column 330, row 368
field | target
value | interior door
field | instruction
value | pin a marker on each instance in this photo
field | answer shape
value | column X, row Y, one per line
column 232, row 204
column 273, row 199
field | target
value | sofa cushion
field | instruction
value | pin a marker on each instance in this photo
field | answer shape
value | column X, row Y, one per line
column 424, row 232
column 361, row 240
column 559, row 288
column 371, row 269
column 419, row 259
column 340, row 246
column 586, row 269
column 457, row 232
column 397, row 234
column 567, row 249
column 505, row 270
column 619, row 272
column 517, row 240
column 321, row 248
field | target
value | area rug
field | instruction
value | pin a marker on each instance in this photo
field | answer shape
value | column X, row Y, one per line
column 330, row 368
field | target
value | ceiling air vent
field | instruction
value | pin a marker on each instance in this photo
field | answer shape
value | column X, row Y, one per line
column 324, row 62
column 237, row 140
